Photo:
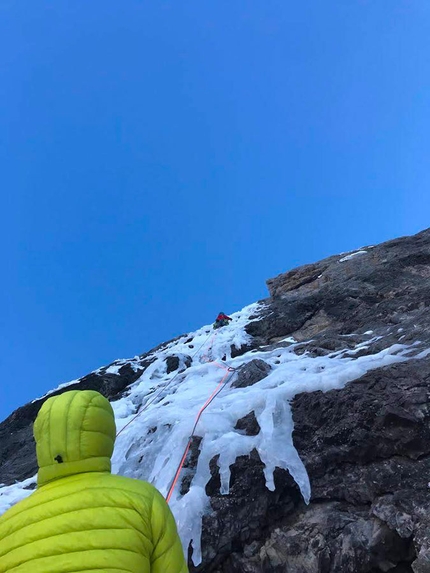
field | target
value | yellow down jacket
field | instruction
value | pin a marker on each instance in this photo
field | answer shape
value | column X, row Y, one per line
column 81, row 518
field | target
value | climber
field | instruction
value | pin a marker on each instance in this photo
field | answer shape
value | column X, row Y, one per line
column 82, row 516
column 221, row 320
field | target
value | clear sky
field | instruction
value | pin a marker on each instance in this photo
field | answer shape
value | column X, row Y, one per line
column 160, row 160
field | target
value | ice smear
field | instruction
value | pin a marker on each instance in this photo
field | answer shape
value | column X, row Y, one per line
column 423, row 354
column 352, row 255
column 114, row 369
column 59, row 387
column 151, row 447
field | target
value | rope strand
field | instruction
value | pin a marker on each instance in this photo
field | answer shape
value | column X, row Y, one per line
column 225, row 379
column 223, row 382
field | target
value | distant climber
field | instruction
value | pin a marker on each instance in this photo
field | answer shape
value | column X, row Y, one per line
column 81, row 517
column 221, row 320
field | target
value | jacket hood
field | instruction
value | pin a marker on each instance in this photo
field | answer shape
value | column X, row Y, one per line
column 74, row 433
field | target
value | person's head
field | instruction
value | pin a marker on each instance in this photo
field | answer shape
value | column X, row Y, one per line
column 74, row 433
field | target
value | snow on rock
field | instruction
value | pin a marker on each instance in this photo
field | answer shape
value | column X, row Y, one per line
column 59, row 387
column 352, row 255
column 114, row 368
column 155, row 418
column 423, row 354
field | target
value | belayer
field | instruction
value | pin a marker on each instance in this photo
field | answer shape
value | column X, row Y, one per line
column 81, row 517
column 221, row 320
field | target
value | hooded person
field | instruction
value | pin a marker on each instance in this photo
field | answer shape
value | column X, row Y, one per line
column 221, row 320
column 82, row 518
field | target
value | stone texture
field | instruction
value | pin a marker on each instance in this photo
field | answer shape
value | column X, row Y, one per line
column 190, row 464
column 366, row 448
column 239, row 519
column 248, row 424
column 388, row 286
column 251, row 373
column 178, row 362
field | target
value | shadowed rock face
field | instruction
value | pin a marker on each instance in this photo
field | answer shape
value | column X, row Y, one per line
column 366, row 447
column 17, row 447
column 388, row 285
column 251, row 373
column 179, row 363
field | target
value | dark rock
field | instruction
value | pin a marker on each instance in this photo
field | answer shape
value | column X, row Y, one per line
column 239, row 351
column 383, row 414
column 190, row 464
column 250, row 373
column 238, row 518
column 178, row 362
column 172, row 364
column 248, row 424
column 387, row 286
column 357, row 454
column 366, row 447
column 337, row 540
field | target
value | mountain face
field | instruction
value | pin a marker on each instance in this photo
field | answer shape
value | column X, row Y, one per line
column 314, row 454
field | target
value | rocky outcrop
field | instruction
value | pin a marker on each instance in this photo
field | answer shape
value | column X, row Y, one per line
column 339, row 538
column 248, row 424
column 179, row 363
column 385, row 285
column 251, row 373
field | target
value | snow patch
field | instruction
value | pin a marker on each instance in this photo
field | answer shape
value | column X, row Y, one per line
column 61, row 386
column 352, row 255
column 114, row 369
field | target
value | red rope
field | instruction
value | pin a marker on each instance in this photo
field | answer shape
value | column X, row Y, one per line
column 217, row 390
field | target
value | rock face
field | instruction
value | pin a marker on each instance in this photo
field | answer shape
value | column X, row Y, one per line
column 180, row 363
column 385, row 285
column 250, row 373
column 366, row 447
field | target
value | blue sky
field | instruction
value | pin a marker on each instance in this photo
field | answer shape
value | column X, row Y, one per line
column 160, row 160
